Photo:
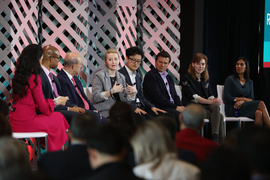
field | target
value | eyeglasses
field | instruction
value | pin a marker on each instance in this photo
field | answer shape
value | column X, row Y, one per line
column 58, row 58
column 134, row 61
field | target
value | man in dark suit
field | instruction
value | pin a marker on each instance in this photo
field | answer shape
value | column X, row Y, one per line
column 72, row 86
column 51, row 86
column 140, row 105
column 192, row 120
column 158, row 87
column 74, row 162
column 107, row 147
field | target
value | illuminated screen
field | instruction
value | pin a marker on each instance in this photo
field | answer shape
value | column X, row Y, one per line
column 266, row 40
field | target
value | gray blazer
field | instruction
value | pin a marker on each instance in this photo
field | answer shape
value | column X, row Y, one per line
column 102, row 82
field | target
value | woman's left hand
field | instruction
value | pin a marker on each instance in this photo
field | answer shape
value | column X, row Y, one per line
column 238, row 104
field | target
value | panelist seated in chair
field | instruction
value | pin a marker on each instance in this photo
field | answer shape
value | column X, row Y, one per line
column 140, row 105
column 71, row 85
column 197, row 89
column 159, row 87
column 51, row 86
column 109, row 86
column 239, row 88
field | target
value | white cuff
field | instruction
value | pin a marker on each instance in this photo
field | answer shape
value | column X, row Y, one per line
column 102, row 95
column 196, row 98
column 211, row 97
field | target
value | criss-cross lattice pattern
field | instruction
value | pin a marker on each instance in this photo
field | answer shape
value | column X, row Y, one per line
column 90, row 28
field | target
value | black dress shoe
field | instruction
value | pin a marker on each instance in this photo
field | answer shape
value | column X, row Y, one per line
column 215, row 138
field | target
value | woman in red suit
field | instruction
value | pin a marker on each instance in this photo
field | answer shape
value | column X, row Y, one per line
column 28, row 99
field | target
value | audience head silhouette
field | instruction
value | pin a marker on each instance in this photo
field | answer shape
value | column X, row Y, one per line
column 193, row 117
column 14, row 158
column 254, row 142
column 169, row 124
column 226, row 164
column 106, row 145
column 121, row 115
column 81, row 126
column 151, row 141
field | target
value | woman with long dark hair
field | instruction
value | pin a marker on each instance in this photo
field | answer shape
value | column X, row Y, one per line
column 197, row 89
column 27, row 99
column 238, row 94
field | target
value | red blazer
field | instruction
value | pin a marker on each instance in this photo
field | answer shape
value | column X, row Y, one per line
column 190, row 140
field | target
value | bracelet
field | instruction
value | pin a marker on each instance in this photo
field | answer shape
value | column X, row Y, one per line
column 110, row 92
column 113, row 90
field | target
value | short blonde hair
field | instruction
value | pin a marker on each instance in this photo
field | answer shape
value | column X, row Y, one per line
column 111, row 51
column 151, row 141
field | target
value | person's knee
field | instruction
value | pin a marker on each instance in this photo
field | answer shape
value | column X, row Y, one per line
column 215, row 108
column 262, row 104
column 258, row 113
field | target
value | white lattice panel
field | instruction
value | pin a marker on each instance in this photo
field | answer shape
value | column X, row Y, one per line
column 161, row 24
column 112, row 25
column 89, row 28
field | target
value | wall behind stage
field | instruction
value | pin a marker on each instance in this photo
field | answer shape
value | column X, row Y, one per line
column 231, row 30
column 89, row 28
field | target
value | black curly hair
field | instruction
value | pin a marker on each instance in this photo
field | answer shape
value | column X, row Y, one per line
column 27, row 64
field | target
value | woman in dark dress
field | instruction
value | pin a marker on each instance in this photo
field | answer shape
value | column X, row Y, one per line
column 238, row 87
column 196, row 88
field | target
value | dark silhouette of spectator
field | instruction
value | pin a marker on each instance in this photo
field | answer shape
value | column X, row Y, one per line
column 14, row 161
column 121, row 115
column 156, row 156
column 107, row 147
column 170, row 125
column 254, row 142
column 192, row 120
column 225, row 164
column 72, row 163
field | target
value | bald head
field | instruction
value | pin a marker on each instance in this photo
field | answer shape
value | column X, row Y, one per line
column 193, row 116
column 72, row 63
column 51, row 57
column 49, row 51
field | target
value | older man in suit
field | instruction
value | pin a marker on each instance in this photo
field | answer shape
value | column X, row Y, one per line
column 51, row 86
column 71, row 85
column 140, row 105
column 158, row 87
column 72, row 163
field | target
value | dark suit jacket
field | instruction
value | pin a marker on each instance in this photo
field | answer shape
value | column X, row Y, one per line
column 69, row 90
column 189, row 88
column 48, row 93
column 113, row 171
column 70, row 164
column 156, row 92
column 139, row 95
